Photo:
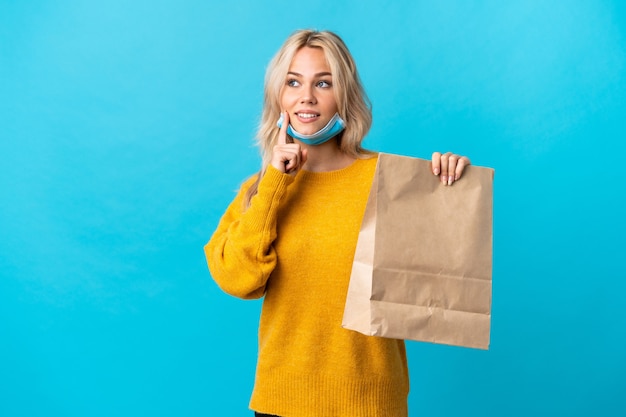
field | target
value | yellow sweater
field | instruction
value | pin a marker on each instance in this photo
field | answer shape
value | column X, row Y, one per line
column 295, row 245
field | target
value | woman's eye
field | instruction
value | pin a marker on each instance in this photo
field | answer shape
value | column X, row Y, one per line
column 293, row 83
column 324, row 84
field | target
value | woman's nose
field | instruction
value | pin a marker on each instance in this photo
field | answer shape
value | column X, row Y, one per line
column 308, row 95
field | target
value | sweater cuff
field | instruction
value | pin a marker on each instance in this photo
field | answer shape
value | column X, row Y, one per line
column 274, row 182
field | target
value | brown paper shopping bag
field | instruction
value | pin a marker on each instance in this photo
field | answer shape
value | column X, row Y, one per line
column 422, row 267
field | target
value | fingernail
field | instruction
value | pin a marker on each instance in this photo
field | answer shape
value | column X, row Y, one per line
column 450, row 180
column 444, row 179
column 436, row 171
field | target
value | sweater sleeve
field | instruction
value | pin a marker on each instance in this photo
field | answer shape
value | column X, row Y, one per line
column 240, row 254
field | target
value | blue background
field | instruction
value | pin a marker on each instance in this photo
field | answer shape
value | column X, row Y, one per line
column 126, row 127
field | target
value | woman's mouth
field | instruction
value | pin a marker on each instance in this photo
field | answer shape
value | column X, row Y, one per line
column 307, row 117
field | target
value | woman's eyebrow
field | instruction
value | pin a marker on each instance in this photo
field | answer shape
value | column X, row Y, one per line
column 319, row 74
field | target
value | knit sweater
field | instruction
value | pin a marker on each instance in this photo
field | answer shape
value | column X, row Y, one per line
column 294, row 245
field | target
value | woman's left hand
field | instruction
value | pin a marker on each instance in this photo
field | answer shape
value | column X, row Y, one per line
column 449, row 166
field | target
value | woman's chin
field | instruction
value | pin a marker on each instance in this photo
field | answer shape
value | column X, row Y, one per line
column 306, row 129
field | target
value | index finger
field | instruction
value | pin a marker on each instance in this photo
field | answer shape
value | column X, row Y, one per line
column 282, row 135
column 436, row 162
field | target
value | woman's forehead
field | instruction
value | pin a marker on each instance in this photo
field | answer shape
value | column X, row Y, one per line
column 309, row 60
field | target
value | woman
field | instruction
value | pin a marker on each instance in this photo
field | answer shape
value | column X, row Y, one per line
column 291, row 232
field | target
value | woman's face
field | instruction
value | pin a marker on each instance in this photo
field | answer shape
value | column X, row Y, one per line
column 308, row 93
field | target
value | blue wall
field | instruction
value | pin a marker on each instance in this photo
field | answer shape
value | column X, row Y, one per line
column 125, row 128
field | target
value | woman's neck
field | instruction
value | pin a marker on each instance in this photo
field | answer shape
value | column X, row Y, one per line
column 326, row 157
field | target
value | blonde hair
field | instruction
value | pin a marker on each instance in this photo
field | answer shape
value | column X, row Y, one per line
column 353, row 104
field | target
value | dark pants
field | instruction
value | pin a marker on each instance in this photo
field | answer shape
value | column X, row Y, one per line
column 263, row 415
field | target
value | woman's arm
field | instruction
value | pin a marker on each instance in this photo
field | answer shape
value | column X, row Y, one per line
column 240, row 254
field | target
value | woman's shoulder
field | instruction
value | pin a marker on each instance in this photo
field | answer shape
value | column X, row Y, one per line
column 368, row 158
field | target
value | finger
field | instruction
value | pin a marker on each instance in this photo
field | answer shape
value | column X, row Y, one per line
column 460, row 166
column 292, row 158
column 284, row 157
column 444, row 167
column 452, row 161
column 292, row 162
column 436, row 163
column 282, row 134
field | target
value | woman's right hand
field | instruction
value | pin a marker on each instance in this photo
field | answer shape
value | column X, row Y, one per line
column 287, row 157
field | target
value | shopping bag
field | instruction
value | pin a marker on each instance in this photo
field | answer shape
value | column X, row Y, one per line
column 423, row 261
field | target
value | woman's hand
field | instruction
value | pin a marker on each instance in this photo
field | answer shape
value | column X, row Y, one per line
column 449, row 166
column 287, row 157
